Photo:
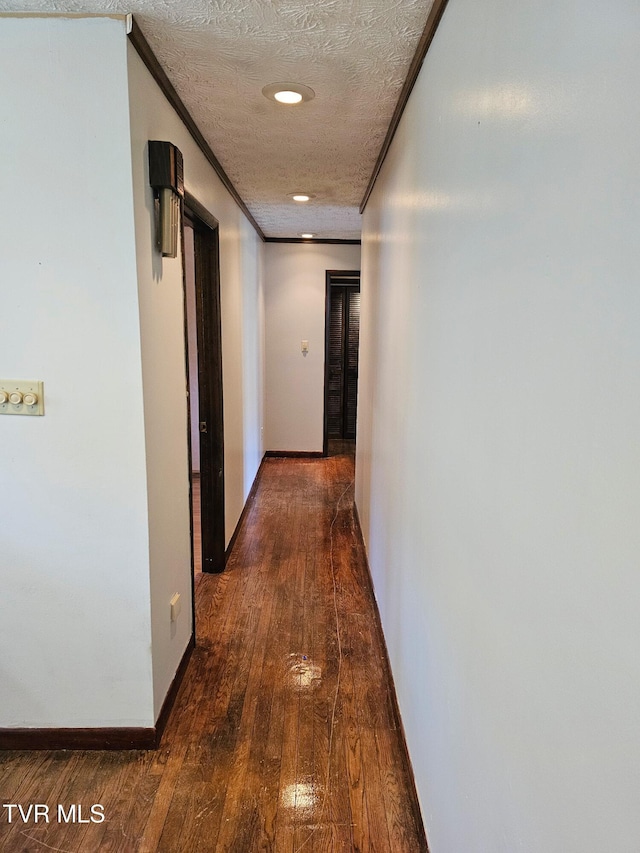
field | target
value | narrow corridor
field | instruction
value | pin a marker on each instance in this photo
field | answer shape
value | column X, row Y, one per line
column 283, row 736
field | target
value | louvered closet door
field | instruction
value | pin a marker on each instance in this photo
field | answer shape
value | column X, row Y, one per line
column 342, row 391
column 335, row 388
column 350, row 403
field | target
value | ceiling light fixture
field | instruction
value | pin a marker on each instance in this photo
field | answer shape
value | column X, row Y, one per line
column 288, row 97
column 308, row 236
column 302, row 196
column 288, row 93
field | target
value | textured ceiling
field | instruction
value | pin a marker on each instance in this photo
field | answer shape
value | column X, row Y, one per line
column 220, row 53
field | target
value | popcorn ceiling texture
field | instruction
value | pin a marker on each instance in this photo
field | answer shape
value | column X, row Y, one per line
column 353, row 53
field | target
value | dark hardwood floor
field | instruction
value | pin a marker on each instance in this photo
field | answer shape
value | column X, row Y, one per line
column 283, row 736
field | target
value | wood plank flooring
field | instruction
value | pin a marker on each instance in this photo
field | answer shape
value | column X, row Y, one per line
column 197, row 529
column 283, row 737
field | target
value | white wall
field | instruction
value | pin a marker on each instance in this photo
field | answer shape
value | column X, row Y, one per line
column 162, row 323
column 242, row 367
column 498, row 452
column 295, row 287
column 95, row 523
column 252, row 359
column 74, row 609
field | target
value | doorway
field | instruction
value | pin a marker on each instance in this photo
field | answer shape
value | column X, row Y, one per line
column 204, row 350
column 342, row 331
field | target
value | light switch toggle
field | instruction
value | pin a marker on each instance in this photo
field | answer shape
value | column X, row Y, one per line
column 304, row 347
column 175, row 606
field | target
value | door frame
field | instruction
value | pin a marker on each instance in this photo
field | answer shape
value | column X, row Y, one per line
column 332, row 277
column 211, row 415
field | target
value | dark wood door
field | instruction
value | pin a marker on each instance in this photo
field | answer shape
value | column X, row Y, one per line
column 341, row 357
column 211, row 429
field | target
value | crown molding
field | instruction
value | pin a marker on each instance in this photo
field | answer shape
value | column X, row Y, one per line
column 332, row 240
column 435, row 16
column 157, row 72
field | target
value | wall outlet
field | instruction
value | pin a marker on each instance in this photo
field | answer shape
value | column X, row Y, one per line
column 176, row 606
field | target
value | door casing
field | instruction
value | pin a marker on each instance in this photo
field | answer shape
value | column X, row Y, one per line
column 211, row 423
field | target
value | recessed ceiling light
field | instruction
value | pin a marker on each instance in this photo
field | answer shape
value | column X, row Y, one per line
column 288, row 97
column 288, row 93
column 302, row 196
column 308, row 236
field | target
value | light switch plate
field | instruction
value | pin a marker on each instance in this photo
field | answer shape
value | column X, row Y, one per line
column 23, row 386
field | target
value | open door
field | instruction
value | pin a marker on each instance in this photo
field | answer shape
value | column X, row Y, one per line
column 210, row 431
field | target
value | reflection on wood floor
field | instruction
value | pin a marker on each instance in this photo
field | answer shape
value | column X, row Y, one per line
column 341, row 447
column 283, row 736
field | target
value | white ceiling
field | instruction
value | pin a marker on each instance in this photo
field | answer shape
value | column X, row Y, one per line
column 218, row 54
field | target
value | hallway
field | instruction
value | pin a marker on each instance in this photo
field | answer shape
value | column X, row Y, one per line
column 283, row 735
